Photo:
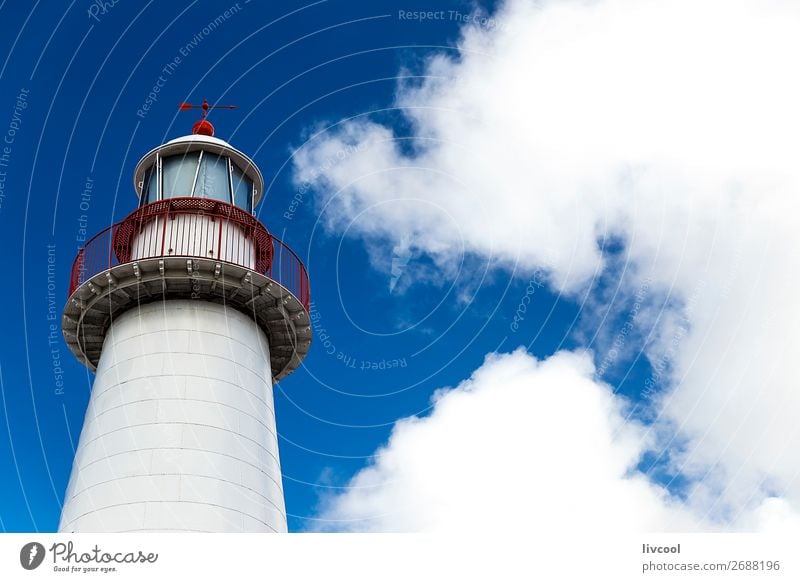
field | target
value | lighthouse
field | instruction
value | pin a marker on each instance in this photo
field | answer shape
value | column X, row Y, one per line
column 187, row 311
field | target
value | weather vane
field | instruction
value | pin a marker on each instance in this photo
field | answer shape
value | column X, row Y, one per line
column 203, row 126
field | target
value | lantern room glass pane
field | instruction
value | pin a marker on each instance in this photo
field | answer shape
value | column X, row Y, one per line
column 242, row 190
column 179, row 172
column 149, row 187
column 212, row 179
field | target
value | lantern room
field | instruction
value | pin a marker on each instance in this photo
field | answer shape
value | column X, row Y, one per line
column 199, row 166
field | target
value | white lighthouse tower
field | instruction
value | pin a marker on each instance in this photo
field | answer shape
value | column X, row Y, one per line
column 187, row 310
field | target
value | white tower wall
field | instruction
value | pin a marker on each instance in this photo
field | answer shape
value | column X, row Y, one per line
column 180, row 430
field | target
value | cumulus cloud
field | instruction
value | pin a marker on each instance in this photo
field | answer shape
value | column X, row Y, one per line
column 521, row 442
column 669, row 126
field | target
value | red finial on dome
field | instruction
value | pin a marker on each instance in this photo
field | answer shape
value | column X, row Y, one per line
column 203, row 127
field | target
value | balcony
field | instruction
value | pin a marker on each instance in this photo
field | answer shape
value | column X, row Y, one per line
column 194, row 248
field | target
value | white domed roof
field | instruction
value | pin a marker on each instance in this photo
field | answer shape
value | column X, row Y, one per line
column 197, row 138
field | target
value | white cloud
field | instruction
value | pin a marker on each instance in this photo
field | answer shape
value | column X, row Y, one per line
column 525, row 444
column 520, row 442
column 672, row 125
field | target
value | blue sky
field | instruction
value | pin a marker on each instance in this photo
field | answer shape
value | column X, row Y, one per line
column 619, row 172
column 86, row 80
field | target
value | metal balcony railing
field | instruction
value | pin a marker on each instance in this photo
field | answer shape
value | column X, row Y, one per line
column 194, row 228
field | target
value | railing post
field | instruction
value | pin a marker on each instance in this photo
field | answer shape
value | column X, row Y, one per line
column 219, row 243
column 164, row 231
column 111, row 247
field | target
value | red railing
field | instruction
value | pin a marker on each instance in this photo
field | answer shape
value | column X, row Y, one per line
column 194, row 228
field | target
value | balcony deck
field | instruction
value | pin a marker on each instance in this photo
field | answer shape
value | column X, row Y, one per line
column 190, row 248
